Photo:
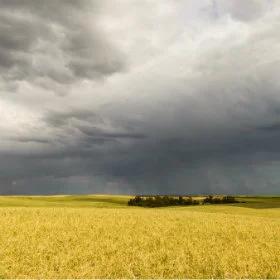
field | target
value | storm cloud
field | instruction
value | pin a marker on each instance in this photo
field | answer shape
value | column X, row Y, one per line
column 139, row 96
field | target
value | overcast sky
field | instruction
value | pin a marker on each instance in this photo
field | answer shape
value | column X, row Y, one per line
column 134, row 96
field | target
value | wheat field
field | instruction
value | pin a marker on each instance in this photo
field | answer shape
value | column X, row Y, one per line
column 100, row 237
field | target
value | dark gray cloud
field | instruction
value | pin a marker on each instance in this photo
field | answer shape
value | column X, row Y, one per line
column 270, row 128
column 54, row 40
column 195, row 111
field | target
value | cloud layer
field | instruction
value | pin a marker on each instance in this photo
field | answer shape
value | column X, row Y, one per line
column 139, row 97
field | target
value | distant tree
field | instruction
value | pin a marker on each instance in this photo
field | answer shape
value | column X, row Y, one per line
column 159, row 201
column 219, row 200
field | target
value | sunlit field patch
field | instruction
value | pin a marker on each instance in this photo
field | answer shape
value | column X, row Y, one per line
column 116, row 241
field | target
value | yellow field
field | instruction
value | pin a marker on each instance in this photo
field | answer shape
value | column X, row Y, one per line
column 183, row 242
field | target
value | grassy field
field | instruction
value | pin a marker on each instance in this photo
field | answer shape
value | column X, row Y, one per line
column 100, row 236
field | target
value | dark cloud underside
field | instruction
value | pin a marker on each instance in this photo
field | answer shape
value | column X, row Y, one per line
column 139, row 96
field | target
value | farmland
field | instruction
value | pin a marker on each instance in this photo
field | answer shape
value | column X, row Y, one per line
column 97, row 236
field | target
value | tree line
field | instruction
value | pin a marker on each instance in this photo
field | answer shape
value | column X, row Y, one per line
column 165, row 200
